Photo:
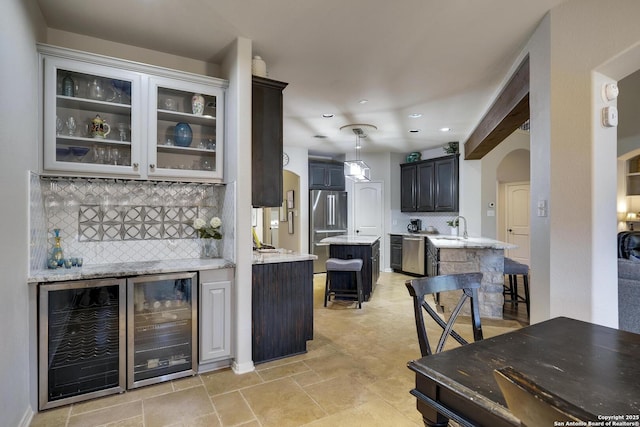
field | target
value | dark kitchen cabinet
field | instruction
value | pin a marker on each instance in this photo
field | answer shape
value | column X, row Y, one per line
column 266, row 142
column 326, row 175
column 395, row 261
column 282, row 309
column 430, row 185
column 433, row 259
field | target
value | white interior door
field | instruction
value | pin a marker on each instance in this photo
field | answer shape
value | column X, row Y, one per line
column 368, row 208
column 517, row 220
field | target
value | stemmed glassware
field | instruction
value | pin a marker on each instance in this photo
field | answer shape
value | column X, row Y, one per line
column 71, row 125
column 71, row 199
column 53, row 201
column 90, row 198
column 122, row 128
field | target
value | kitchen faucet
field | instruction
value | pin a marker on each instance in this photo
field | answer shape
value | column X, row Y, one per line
column 465, row 235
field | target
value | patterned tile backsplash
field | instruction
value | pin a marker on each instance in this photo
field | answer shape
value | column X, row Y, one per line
column 110, row 221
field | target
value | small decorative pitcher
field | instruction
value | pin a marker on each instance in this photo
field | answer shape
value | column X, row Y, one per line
column 99, row 128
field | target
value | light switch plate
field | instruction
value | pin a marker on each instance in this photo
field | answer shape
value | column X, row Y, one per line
column 610, row 116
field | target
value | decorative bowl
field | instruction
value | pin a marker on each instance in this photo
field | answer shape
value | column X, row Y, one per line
column 61, row 153
column 79, row 151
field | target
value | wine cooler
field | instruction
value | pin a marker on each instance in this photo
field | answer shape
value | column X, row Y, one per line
column 162, row 328
column 81, row 341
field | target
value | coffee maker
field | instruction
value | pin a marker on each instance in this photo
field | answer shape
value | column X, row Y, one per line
column 415, row 225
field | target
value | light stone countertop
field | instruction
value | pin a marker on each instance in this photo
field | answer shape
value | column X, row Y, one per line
column 127, row 269
column 419, row 234
column 452, row 242
column 280, row 255
column 350, row 239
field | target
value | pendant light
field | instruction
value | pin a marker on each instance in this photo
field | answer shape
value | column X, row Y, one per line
column 357, row 170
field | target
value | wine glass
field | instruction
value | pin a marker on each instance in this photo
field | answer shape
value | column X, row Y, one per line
column 100, row 154
column 115, row 154
column 59, row 125
column 71, row 199
column 107, row 199
column 122, row 128
column 71, row 125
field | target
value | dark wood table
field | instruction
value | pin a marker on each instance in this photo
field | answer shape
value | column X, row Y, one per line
column 594, row 367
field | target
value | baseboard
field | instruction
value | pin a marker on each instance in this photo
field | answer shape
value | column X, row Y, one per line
column 27, row 417
column 213, row 366
column 243, row 368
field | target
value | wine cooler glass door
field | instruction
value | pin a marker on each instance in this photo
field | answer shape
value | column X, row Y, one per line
column 161, row 339
column 82, row 341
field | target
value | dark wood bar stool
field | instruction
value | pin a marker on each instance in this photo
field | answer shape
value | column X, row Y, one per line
column 513, row 269
column 335, row 265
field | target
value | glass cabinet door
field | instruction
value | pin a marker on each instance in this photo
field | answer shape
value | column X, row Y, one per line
column 186, row 129
column 91, row 118
column 162, row 328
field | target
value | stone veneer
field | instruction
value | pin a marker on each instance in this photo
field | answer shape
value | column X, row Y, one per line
column 465, row 260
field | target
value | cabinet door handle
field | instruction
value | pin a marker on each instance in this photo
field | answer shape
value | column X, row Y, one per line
column 135, row 166
column 152, row 166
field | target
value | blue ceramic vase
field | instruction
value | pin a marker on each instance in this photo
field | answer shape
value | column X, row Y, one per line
column 183, row 134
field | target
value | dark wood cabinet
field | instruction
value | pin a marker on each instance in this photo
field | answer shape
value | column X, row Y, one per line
column 445, row 196
column 282, row 309
column 430, row 185
column 266, row 142
column 433, row 259
column 326, row 175
column 395, row 261
column 408, row 187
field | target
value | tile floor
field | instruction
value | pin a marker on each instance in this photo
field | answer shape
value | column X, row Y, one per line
column 354, row 374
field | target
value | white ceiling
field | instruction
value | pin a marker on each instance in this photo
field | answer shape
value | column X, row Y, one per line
column 441, row 58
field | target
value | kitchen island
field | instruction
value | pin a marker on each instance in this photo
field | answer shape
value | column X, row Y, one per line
column 282, row 304
column 366, row 248
column 451, row 254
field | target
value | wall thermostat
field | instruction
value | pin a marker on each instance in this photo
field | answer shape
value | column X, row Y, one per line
column 610, row 116
column 610, row 91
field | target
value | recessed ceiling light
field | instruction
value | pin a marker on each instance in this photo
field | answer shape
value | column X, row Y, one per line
column 363, row 101
column 415, row 115
column 414, row 130
column 327, row 115
column 445, row 129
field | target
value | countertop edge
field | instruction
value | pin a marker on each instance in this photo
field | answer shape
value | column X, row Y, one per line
column 351, row 240
column 278, row 257
column 128, row 269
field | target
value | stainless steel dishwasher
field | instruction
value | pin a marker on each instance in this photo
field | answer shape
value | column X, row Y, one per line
column 413, row 254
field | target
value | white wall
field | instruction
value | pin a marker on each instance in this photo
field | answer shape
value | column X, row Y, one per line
column 490, row 164
column 236, row 68
column 573, row 256
column 19, row 126
column 299, row 164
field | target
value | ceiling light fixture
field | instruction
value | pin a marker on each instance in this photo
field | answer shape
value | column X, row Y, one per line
column 445, row 129
column 415, row 115
column 414, row 130
column 363, row 101
column 357, row 170
column 327, row 116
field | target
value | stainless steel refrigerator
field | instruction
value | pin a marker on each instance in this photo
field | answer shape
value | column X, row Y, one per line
column 328, row 218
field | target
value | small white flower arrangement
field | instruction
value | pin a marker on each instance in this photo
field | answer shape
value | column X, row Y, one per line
column 210, row 230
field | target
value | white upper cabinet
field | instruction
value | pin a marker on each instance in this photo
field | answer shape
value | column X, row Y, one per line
column 185, row 129
column 106, row 117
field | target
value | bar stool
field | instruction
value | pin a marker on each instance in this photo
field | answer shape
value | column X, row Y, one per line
column 344, row 265
column 513, row 269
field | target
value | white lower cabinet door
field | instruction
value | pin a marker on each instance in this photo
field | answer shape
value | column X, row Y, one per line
column 215, row 314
